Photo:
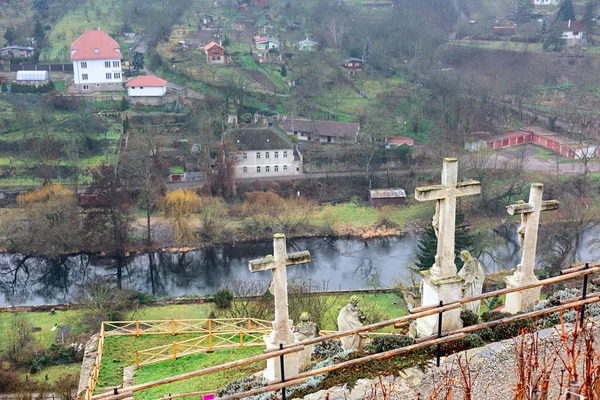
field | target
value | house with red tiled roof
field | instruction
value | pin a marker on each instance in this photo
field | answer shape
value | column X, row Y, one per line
column 96, row 61
column 573, row 32
column 146, row 89
column 215, row 53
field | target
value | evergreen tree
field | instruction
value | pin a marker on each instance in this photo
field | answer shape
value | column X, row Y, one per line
column 177, row 108
column 524, row 9
column 10, row 35
column 589, row 20
column 463, row 240
column 566, row 11
column 3, row 87
column 124, row 105
column 38, row 33
column 41, row 6
column 367, row 57
column 138, row 61
column 554, row 40
column 283, row 70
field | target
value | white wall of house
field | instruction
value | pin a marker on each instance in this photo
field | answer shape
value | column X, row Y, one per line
column 95, row 71
column 266, row 163
column 545, row 2
column 571, row 36
column 146, row 91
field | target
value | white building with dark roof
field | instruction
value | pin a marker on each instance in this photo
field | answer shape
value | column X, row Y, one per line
column 264, row 152
column 96, row 62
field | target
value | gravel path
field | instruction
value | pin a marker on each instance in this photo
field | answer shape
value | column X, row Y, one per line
column 493, row 365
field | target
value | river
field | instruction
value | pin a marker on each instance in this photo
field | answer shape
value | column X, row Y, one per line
column 336, row 264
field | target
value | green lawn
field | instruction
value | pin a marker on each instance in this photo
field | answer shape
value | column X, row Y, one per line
column 356, row 215
column 195, row 362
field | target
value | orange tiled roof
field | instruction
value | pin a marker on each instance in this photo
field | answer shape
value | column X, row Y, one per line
column 95, row 45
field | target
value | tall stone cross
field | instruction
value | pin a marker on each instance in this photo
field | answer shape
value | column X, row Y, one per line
column 441, row 282
column 444, row 220
column 528, row 232
column 282, row 325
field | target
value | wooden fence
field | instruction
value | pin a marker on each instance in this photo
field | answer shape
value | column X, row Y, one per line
column 421, row 343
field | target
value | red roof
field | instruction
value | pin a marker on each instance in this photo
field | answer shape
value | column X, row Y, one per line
column 573, row 26
column 399, row 140
column 95, row 45
column 211, row 45
column 148, row 81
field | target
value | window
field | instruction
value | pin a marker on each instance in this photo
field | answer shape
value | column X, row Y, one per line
column 244, row 156
column 277, row 168
column 141, row 87
column 86, row 87
column 267, row 169
column 276, row 154
column 245, row 170
column 285, row 167
column 84, row 77
column 84, row 64
column 117, row 75
column 108, row 75
column 285, row 154
column 107, row 64
column 258, row 170
column 257, row 155
column 266, row 154
column 116, row 64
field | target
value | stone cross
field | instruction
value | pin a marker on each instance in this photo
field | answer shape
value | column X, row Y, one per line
column 282, row 325
column 444, row 220
column 528, row 231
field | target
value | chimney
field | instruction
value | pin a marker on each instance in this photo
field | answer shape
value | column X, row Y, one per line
column 568, row 26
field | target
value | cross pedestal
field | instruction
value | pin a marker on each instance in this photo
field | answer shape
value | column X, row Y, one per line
column 442, row 282
column 528, row 230
column 282, row 325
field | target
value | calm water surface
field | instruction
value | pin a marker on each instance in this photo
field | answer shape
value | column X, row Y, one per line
column 338, row 263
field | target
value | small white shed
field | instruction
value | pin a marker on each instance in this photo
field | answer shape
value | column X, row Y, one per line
column 146, row 86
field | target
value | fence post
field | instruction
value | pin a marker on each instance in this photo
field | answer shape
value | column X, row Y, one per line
column 210, row 344
column 174, row 351
column 439, row 335
column 282, row 366
column 583, row 295
column 241, row 338
column 173, row 327
column 137, row 328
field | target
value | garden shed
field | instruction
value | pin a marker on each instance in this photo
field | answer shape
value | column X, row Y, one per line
column 387, row 197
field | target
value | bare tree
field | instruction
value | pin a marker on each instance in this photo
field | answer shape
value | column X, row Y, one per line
column 337, row 29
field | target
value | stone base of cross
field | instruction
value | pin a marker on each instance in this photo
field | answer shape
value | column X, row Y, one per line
column 441, row 282
column 282, row 325
column 447, row 290
column 527, row 231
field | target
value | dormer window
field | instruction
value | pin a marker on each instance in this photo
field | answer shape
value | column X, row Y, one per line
column 118, row 50
column 96, row 51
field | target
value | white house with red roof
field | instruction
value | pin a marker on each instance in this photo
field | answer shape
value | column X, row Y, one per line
column 96, row 62
column 146, row 86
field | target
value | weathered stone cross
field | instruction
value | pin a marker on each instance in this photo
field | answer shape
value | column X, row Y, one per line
column 444, row 219
column 528, row 232
column 282, row 325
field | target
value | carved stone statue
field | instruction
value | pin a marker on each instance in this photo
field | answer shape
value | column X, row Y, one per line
column 305, row 330
column 473, row 274
column 435, row 221
column 351, row 317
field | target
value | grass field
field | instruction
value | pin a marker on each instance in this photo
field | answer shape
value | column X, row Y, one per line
column 195, row 362
column 356, row 215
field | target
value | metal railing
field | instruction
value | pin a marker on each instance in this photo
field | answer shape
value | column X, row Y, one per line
column 418, row 313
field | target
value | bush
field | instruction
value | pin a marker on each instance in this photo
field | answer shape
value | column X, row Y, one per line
column 327, row 349
column 494, row 315
column 9, row 381
column 390, row 342
column 469, row 318
column 470, row 341
column 242, row 385
column 223, row 298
